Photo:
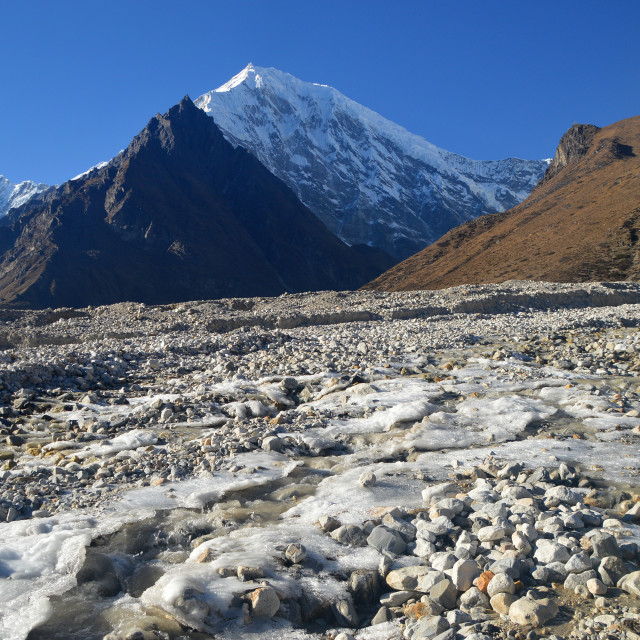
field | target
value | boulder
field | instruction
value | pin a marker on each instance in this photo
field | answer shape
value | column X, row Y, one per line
column 630, row 583
column 264, row 602
column 406, row 578
column 385, row 539
column 535, row 613
column 604, row 544
column 501, row 602
column 611, row 569
column 501, row 583
column 463, row 573
column 444, row 593
column 474, row 598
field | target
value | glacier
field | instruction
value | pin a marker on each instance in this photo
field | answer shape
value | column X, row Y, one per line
column 368, row 179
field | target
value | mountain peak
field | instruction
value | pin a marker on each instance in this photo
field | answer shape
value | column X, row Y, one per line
column 181, row 214
column 249, row 75
column 13, row 195
column 368, row 179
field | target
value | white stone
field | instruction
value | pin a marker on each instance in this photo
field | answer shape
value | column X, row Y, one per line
column 264, row 602
column 491, row 533
column 596, row 587
column 501, row 583
column 443, row 490
column 463, row 573
column 549, row 551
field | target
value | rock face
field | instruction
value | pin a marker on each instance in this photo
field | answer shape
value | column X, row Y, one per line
column 14, row 195
column 573, row 145
column 180, row 214
column 581, row 223
column 368, row 179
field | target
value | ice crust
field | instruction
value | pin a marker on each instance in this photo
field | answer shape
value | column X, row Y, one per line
column 40, row 558
column 479, row 411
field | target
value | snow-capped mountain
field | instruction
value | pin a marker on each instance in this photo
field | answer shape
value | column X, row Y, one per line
column 368, row 179
column 13, row 195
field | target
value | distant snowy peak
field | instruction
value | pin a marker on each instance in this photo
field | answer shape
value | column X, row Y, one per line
column 368, row 179
column 14, row 195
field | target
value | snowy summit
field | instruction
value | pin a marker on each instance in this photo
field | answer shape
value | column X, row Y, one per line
column 368, row 179
column 14, row 195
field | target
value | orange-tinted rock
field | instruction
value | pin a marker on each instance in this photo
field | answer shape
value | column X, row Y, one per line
column 483, row 580
column 416, row 610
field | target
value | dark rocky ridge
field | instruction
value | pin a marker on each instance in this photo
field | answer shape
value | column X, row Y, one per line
column 180, row 214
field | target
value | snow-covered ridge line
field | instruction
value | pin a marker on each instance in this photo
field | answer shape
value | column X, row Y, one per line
column 88, row 171
column 15, row 195
column 369, row 179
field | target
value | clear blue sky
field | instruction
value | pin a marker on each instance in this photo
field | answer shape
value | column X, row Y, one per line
column 486, row 79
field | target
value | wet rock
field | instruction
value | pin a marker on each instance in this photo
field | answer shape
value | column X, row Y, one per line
column 192, row 604
column 350, row 534
column 143, row 578
column 345, row 612
column 295, row 553
column 98, row 576
column 364, row 585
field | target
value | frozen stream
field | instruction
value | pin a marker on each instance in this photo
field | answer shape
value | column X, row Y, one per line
column 160, row 541
column 151, row 508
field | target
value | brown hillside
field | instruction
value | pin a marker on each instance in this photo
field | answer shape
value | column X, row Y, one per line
column 581, row 223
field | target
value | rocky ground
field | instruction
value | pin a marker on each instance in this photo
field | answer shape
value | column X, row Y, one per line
column 461, row 463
